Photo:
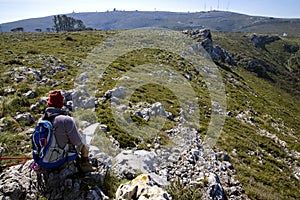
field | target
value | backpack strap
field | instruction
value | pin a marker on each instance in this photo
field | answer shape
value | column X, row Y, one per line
column 51, row 113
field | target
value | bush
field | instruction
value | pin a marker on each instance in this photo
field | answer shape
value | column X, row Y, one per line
column 10, row 124
column 33, row 51
column 111, row 184
column 179, row 191
column 16, row 104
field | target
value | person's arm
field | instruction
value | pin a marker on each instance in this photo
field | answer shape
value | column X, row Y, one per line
column 72, row 131
column 74, row 136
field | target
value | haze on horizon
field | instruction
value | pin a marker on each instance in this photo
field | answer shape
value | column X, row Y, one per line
column 14, row 10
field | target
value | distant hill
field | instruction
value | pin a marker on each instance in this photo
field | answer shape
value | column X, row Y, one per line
column 215, row 20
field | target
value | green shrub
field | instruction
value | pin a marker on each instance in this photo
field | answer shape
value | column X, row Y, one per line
column 16, row 104
column 179, row 192
column 33, row 51
column 111, row 184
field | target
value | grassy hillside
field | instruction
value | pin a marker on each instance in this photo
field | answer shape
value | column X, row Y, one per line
column 264, row 163
column 215, row 20
column 261, row 131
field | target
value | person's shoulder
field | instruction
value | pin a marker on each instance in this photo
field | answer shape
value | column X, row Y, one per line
column 64, row 118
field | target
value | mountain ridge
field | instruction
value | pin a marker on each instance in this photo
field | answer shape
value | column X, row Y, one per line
column 215, row 20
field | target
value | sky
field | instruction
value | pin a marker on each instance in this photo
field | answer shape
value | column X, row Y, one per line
column 13, row 10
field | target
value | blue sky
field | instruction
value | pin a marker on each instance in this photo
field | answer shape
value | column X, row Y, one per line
column 12, row 10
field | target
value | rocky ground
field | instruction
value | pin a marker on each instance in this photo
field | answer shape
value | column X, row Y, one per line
column 189, row 162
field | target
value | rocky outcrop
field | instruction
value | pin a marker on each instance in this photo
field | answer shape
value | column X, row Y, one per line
column 261, row 68
column 118, row 93
column 28, row 182
column 147, row 111
column 50, row 66
column 197, row 163
column 18, row 183
column 262, row 40
column 217, row 53
column 291, row 48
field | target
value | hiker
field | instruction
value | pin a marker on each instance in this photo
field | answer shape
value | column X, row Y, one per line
column 65, row 129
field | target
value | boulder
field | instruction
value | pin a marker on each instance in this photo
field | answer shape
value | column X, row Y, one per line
column 146, row 111
column 27, row 118
column 83, row 77
column 17, row 183
column 82, row 99
column 30, row 94
column 141, row 188
column 118, row 92
column 215, row 188
column 9, row 90
column 130, row 163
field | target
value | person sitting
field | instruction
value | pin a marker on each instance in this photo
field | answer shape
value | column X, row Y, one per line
column 65, row 129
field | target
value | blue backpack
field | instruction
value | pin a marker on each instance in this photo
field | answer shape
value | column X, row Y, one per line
column 46, row 151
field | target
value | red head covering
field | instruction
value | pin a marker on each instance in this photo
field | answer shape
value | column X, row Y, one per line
column 56, row 99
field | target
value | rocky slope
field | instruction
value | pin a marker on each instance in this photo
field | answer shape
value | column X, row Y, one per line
column 191, row 163
column 258, row 148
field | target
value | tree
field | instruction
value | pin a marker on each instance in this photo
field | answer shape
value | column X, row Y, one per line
column 80, row 25
column 56, row 23
column 18, row 29
column 65, row 23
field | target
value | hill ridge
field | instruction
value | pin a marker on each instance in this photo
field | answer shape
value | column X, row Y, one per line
column 215, row 20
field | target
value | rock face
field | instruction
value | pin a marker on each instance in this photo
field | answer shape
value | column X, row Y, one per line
column 262, row 40
column 217, row 53
column 261, row 68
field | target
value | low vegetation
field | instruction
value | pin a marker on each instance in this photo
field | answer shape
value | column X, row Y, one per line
column 262, row 112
